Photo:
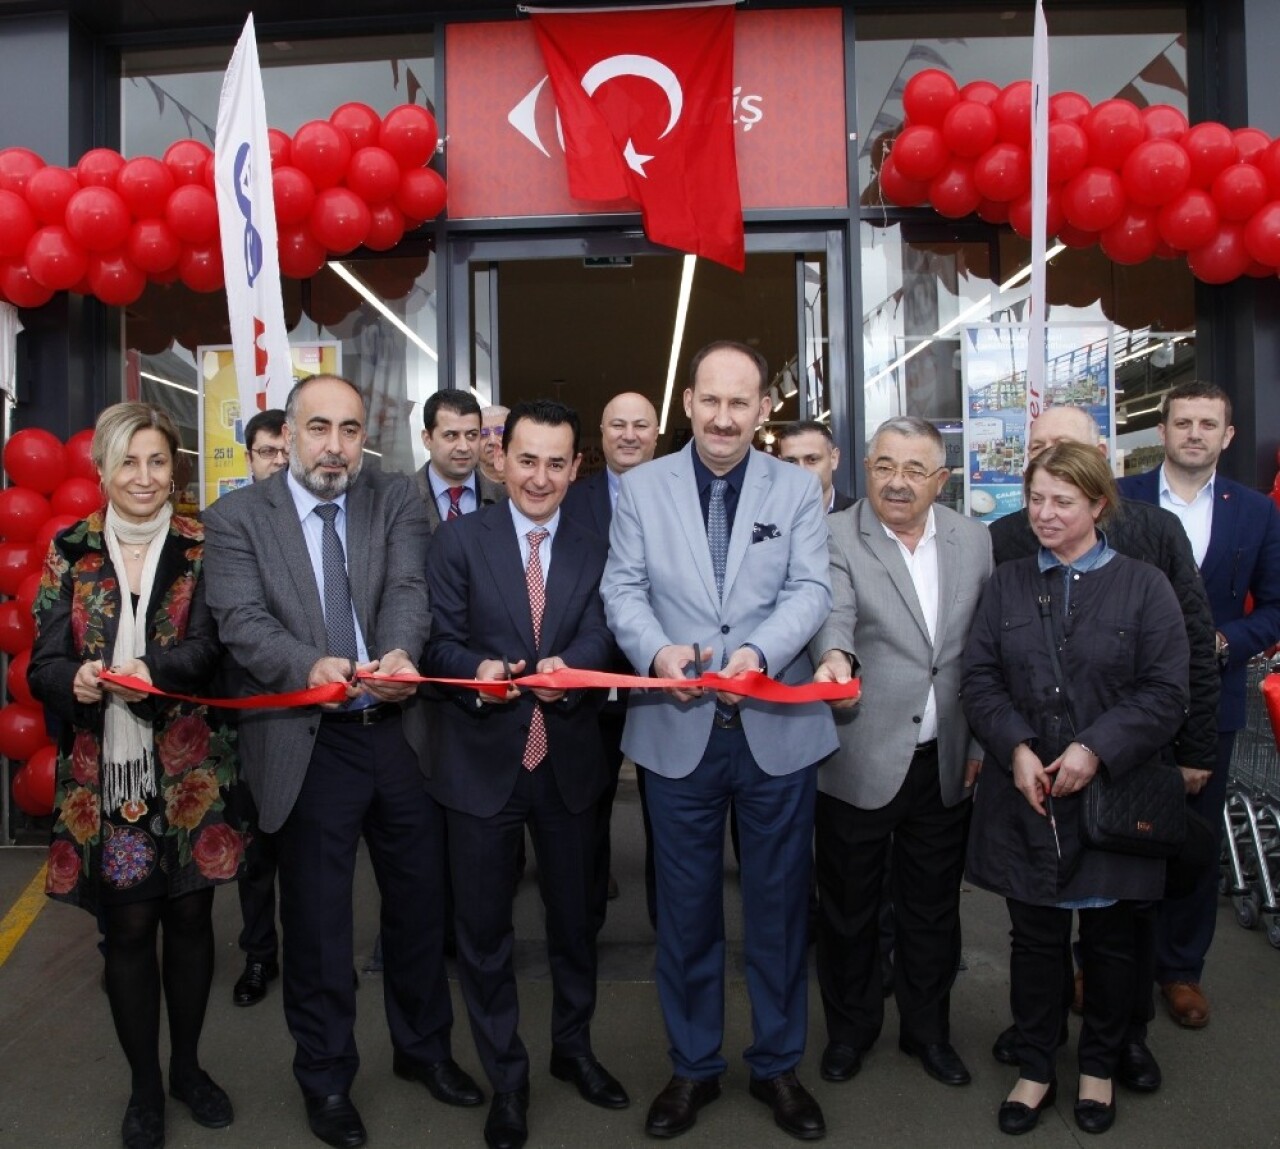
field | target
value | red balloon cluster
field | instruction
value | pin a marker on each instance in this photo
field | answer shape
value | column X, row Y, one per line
column 1140, row 183
column 54, row 486
column 108, row 226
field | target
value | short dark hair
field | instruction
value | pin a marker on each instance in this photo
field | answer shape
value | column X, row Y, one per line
column 270, row 422
column 451, row 399
column 548, row 412
column 291, row 403
column 1196, row 389
column 751, row 353
column 803, row 427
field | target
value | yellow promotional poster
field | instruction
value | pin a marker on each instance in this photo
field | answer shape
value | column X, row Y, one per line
column 222, row 461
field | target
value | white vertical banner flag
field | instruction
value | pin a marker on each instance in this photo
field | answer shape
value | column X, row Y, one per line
column 247, row 221
column 1039, row 212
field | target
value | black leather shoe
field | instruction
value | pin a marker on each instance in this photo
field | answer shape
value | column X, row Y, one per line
column 1137, row 1069
column 675, row 1109
column 840, row 1062
column 1015, row 1118
column 595, row 1083
column 251, row 987
column 335, row 1121
column 209, row 1104
column 940, row 1061
column 506, row 1126
column 794, row 1109
column 445, row 1080
column 1094, row 1116
column 143, row 1127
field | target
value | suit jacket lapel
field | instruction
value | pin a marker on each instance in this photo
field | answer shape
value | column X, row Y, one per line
column 601, row 504
column 359, row 510
column 755, row 486
column 561, row 582
column 948, row 572
column 886, row 551
column 502, row 556
column 1221, row 530
column 286, row 529
column 684, row 496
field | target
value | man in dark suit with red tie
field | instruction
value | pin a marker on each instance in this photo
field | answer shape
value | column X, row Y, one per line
column 449, row 482
column 515, row 589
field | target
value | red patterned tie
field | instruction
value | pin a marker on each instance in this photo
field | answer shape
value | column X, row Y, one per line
column 455, row 504
column 535, row 749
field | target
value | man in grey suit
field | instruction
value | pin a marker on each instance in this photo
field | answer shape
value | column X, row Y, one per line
column 906, row 574
column 294, row 614
column 450, row 482
column 723, row 546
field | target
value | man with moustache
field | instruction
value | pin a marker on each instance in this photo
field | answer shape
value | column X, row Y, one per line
column 492, row 424
column 629, row 437
column 810, row 444
column 448, row 482
column 514, row 589
column 724, row 546
column 294, row 613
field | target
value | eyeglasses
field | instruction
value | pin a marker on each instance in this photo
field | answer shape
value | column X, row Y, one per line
column 885, row 472
column 485, row 432
column 270, row 454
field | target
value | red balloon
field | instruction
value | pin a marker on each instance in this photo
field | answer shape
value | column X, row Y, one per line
column 192, row 214
column 1013, row 110
column 211, row 175
column 980, row 92
column 145, row 185
column 1250, row 144
column 1068, row 151
column 21, row 513
column 20, row 289
column 301, row 255
column 17, row 166
column 17, row 225
column 422, row 193
column 1155, row 172
column 895, row 187
column 98, row 219
column 22, row 730
column 1002, row 173
column 79, row 453
column 17, row 560
column 1068, row 108
column 994, row 211
column 200, row 268
column 919, row 152
column 1094, row 199
column 1133, row 238
column 1114, row 128
column 969, row 128
column 16, row 680
column 1020, row 215
column 952, row 191
column 1189, row 221
column 27, row 591
column 36, row 459
column 294, row 195
column 280, row 146
column 1164, row 251
column 1269, row 164
column 322, row 153
column 54, row 259
column 1223, row 258
column 53, row 525
column 78, row 496
column 49, row 190
column 1163, row 122
column 340, row 219
column 359, row 123
column 386, row 227
column 186, row 160
column 40, row 773
column 1210, row 147
column 152, row 246
column 1239, row 190
column 1076, row 237
column 1262, row 234
column 409, row 132
column 17, row 630
column 373, row 175
column 115, row 280
column 99, row 167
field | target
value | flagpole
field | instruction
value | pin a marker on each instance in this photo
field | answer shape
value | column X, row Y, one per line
column 1039, row 213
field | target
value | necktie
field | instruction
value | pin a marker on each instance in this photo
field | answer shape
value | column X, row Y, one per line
column 718, row 532
column 455, row 503
column 339, row 623
column 535, row 748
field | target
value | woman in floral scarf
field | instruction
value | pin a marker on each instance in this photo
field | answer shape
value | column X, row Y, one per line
column 142, row 834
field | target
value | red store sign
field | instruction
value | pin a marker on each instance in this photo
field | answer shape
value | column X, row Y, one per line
column 505, row 158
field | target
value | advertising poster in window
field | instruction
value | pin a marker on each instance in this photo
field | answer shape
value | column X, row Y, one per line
column 1079, row 371
column 222, row 463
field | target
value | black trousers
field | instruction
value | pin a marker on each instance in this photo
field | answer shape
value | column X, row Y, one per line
column 257, row 890
column 927, row 840
column 1040, row 968
column 363, row 781
column 611, row 724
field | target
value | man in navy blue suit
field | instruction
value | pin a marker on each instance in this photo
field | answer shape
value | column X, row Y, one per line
column 1235, row 537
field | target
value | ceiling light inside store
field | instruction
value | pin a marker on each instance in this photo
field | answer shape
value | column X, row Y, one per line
column 677, row 335
column 365, row 292
column 168, row 383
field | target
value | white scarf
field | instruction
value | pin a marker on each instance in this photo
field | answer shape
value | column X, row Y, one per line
column 128, row 746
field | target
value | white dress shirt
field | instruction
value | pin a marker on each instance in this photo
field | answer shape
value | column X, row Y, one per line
column 922, row 566
column 469, row 501
column 1196, row 516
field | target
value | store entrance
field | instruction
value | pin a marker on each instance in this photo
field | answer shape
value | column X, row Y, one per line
column 580, row 318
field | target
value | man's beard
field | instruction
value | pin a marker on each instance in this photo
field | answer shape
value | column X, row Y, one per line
column 325, row 484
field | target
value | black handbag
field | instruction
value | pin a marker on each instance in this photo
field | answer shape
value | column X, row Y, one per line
column 1143, row 812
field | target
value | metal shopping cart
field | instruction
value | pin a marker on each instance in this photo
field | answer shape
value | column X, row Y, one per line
column 1251, row 853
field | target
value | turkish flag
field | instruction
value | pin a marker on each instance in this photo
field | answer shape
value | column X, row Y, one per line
column 645, row 99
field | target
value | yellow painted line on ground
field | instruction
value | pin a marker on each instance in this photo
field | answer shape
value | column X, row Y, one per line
column 24, row 911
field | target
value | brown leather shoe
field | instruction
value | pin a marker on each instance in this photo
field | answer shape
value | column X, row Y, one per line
column 1186, row 1003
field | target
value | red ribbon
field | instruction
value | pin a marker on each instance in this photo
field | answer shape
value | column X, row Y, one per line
column 749, row 685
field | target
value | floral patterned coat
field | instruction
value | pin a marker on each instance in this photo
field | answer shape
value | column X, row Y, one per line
column 183, row 838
